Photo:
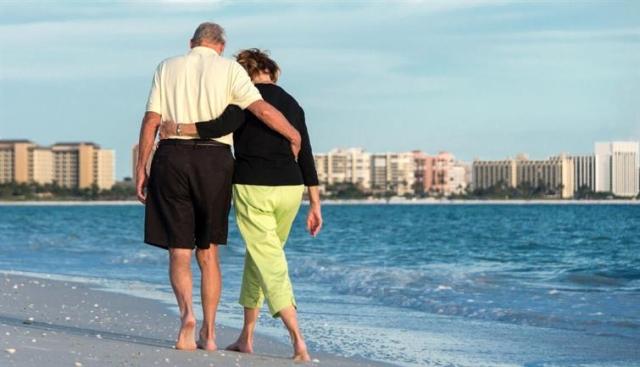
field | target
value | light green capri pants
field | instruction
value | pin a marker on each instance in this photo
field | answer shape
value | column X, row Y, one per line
column 264, row 215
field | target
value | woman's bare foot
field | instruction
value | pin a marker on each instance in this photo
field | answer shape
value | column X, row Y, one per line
column 186, row 336
column 241, row 345
column 207, row 342
column 300, row 353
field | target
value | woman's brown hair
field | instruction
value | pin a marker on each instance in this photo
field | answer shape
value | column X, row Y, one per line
column 255, row 61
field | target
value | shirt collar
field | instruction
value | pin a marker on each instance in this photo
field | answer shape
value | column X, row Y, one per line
column 204, row 51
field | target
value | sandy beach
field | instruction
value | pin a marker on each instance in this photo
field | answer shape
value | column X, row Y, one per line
column 47, row 322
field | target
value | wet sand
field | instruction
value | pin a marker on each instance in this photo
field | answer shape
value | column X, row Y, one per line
column 47, row 322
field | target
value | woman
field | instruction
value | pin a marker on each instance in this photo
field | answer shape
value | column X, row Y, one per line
column 267, row 192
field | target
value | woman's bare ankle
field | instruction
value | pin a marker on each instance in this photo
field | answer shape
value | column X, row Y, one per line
column 300, row 352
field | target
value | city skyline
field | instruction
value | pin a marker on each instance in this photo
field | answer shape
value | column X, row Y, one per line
column 474, row 77
column 613, row 167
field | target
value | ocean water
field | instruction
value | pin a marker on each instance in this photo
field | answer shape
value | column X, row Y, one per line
column 414, row 285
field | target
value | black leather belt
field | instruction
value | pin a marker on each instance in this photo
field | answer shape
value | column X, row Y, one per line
column 194, row 143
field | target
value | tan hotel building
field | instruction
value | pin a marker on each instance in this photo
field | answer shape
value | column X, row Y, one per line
column 555, row 172
column 68, row 164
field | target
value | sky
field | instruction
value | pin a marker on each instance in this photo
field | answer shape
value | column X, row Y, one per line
column 482, row 79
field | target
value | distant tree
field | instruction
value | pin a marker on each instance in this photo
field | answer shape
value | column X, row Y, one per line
column 346, row 190
column 53, row 191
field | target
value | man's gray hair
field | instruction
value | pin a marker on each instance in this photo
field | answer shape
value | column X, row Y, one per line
column 210, row 32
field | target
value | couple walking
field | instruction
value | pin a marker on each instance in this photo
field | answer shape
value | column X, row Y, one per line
column 196, row 102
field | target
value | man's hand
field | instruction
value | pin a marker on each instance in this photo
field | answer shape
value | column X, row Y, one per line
column 170, row 128
column 314, row 219
column 141, row 184
column 167, row 129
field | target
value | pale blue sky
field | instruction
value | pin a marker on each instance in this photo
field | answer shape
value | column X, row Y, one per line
column 483, row 79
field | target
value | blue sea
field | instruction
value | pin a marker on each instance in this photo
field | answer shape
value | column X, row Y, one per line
column 413, row 285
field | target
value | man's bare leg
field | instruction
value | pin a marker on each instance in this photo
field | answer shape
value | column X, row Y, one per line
column 290, row 319
column 244, row 343
column 182, row 283
column 210, row 288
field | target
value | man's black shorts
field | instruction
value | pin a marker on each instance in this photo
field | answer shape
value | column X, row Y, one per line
column 188, row 194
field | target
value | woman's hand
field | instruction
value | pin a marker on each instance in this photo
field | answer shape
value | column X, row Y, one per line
column 167, row 129
column 314, row 219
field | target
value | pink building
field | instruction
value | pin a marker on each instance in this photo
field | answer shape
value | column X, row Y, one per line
column 439, row 175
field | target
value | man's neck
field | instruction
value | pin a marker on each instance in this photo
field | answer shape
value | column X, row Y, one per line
column 218, row 48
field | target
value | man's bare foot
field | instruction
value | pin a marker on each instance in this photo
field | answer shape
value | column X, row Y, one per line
column 206, row 343
column 187, row 335
column 242, row 346
column 300, row 353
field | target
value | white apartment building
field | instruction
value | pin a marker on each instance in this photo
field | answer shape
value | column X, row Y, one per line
column 458, row 178
column 393, row 172
column 616, row 168
column 344, row 166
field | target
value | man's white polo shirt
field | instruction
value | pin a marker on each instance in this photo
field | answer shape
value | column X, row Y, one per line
column 198, row 86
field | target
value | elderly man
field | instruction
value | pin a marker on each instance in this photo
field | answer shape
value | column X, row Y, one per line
column 188, row 193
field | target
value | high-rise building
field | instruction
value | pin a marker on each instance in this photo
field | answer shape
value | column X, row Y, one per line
column 555, row 174
column 22, row 161
column 14, row 160
column 83, row 164
column 104, row 169
column 68, row 164
column 344, row 166
column 584, row 172
column 71, row 161
column 41, row 165
column 616, row 168
column 393, row 172
column 487, row 174
column 423, row 170
column 439, row 174
column 442, row 164
column 458, row 178
column 379, row 173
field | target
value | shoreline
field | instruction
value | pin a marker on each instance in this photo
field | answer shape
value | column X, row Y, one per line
column 355, row 202
column 44, row 318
